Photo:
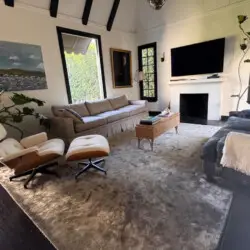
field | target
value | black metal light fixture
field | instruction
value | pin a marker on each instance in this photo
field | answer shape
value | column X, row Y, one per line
column 157, row 4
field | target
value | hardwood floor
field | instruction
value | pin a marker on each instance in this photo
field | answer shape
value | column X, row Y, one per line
column 236, row 234
column 17, row 231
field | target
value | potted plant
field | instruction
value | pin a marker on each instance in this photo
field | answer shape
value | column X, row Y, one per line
column 15, row 113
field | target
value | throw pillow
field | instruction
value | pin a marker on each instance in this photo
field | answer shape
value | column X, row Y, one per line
column 70, row 113
column 119, row 102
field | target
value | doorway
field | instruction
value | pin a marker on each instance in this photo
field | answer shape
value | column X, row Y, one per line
column 82, row 60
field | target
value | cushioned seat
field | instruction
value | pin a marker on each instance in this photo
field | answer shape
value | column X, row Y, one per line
column 133, row 109
column 32, row 155
column 114, row 115
column 90, row 122
column 85, row 147
column 88, row 147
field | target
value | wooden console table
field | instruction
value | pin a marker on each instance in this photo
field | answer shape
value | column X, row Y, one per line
column 151, row 132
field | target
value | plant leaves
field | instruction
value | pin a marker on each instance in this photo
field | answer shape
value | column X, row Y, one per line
column 17, row 118
column 243, row 46
column 28, row 111
column 21, row 99
column 242, row 19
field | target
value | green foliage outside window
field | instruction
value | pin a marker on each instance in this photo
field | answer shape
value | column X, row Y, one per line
column 83, row 75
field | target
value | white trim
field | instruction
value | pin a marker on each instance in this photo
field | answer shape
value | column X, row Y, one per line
column 214, row 80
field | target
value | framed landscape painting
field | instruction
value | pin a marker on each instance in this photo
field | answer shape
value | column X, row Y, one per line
column 121, row 66
column 21, row 67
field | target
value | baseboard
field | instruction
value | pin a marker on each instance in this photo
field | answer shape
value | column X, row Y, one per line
column 224, row 118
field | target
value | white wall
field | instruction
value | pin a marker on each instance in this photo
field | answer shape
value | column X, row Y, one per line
column 35, row 26
column 182, row 22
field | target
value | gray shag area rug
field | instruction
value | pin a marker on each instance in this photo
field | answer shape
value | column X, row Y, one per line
column 148, row 200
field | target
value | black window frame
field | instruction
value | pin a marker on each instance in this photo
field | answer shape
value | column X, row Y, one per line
column 61, row 30
column 140, row 63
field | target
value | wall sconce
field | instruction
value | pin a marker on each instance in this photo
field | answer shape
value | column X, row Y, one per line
column 163, row 57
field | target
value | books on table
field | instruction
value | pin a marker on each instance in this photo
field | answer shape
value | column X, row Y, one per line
column 150, row 120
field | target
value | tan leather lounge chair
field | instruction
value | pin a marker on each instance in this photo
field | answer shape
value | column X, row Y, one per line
column 32, row 155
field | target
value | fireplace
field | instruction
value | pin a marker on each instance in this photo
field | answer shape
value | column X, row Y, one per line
column 194, row 108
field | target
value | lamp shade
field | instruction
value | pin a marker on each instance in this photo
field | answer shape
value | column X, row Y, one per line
column 139, row 76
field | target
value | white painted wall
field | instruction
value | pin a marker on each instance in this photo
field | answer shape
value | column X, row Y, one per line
column 34, row 26
column 182, row 22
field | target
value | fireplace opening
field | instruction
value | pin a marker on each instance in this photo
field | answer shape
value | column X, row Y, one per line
column 194, row 108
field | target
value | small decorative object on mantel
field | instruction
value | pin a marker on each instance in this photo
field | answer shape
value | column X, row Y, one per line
column 213, row 76
column 21, row 67
column 244, row 46
column 9, row 115
column 121, row 68
column 156, row 4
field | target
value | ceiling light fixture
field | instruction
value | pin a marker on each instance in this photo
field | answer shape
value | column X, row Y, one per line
column 156, row 4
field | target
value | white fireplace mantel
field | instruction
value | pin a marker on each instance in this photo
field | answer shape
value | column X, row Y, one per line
column 212, row 87
column 198, row 81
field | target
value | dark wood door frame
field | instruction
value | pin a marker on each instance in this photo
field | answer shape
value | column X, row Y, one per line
column 61, row 30
column 140, row 48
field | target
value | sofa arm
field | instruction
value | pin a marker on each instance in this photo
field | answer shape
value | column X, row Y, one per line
column 62, row 127
column 138, row 102
column 34, row 140
column 238, row 123
column 209, row 150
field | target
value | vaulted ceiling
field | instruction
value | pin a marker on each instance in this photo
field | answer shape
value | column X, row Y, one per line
column 100, row 10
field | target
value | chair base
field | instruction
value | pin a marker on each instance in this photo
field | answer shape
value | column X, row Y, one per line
column 42, row 169
column 90, row 164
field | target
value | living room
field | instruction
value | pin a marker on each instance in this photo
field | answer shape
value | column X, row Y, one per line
column 159, row 191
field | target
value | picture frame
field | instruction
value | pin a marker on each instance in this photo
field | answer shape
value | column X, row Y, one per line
column 121, row 67
column 21, row 67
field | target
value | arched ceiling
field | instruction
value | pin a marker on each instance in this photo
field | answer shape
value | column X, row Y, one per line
column 125, row 19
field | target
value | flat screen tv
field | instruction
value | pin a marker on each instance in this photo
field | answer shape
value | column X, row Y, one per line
column 196, row 59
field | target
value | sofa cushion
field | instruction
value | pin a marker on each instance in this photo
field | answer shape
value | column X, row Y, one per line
column 80, row 108
column 114, row 115
column 134, row 109
column 119, row 102
column 90, row 122
column 98, row 107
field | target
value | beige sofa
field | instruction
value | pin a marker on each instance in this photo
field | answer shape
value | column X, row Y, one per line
column 106, row 117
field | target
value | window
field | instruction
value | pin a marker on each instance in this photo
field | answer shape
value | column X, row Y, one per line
column 148, row 64
column 83, row 65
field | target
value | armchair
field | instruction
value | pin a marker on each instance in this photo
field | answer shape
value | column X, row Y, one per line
column 32, row 155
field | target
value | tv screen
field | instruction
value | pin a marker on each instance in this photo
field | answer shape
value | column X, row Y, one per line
column 200, row 58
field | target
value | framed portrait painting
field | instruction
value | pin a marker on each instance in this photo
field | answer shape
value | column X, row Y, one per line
column 121, row 66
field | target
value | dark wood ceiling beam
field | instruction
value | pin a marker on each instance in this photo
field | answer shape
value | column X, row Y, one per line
column 113, row 14
column 53, row 8
column 86, row 12
column 9, row 3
